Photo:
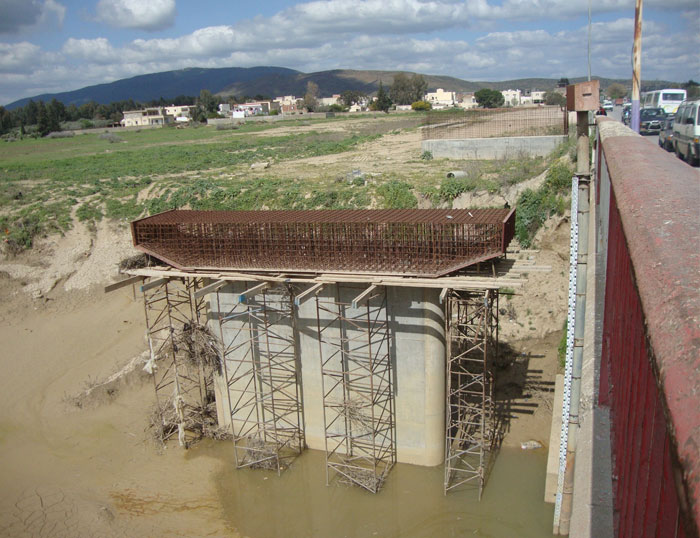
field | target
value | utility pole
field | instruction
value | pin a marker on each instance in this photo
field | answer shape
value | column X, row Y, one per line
column 636, row 66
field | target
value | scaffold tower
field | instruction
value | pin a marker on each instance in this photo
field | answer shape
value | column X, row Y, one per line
column 357, row 386
column 472, row 339
column 261, row 370
column 180, row 361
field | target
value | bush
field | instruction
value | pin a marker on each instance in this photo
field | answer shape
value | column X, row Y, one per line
column 536, row 206
column 427, row 155
column 112, row 138
column 421, row 105
column 336, row 108
column 86, row 124
column 397, row 195
column 61, row 134
column 452, row 187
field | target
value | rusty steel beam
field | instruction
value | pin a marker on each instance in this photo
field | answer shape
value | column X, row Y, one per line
column 397, row 242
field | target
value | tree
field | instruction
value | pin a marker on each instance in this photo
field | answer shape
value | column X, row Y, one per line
column 554, row 98
column 311, row 96
column 405, row 90
column 31, row 112
column 207, row 101
column 352, row 97
column 563, row 82
column 489, row 98
column 383, row 101
column 400, row 91
column 616, row 91
column 42, row 120
column 53, row 111
column 420, row 87
column 692, row 88
column 5, row 120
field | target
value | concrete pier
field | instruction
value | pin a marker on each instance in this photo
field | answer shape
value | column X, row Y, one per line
column 417, row 353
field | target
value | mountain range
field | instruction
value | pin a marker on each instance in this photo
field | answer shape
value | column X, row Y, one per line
column 270, row 81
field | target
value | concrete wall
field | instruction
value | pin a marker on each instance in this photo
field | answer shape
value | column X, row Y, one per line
column 417, row 352
column 493, row 148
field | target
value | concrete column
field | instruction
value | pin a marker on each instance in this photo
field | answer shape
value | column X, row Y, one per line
column 434, row 352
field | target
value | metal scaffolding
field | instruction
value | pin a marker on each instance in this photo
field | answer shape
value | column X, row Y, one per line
column 472, row 338
column 182, row 376
column 262, row 375
column 357, row 387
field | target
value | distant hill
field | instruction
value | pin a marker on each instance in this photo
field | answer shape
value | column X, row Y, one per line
column 339, row 80
column 276, row 81
column 168, row 84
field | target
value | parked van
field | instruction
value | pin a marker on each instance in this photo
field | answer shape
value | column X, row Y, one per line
column 686, row 132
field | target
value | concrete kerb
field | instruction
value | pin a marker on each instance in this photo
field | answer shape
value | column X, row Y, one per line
column 592, row 512
column 493, row 148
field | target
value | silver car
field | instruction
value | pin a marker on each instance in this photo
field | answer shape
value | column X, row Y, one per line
column 666, row 134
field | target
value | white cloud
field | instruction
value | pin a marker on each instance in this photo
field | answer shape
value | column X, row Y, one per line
column 19, row 57
column 19, row 15
column 373, row 34
column 148, row 15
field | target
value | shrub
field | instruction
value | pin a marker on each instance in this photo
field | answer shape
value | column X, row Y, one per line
column 397, row 195
column 427, row 155
column 60, row 134
column 112, row 138
column 421, row 105
column 561, row 349
column 86, row 124
column 536, row 206
column 452, row 187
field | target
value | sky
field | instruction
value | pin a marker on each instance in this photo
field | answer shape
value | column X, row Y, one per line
column 51, row 46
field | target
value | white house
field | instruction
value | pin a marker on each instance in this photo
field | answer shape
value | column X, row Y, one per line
column 180, row 111
column 466, row 100
column 440, row 98
column 288, row 104
column 532, row 97
column 146, row 117
column 329, row 101
column 512, row 97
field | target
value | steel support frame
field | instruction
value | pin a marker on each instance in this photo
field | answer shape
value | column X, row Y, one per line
column 357, row 387
column 183, row 386
column 471, row 320
column 261, row 368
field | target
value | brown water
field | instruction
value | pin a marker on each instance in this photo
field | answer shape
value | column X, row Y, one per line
column 412, row 504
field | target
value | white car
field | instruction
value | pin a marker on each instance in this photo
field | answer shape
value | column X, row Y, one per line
column 607, row 104
column 686, row 131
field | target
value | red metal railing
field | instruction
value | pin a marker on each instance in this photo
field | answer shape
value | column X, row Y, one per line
column 645, row 499
column 650, row 363
column 405, row 242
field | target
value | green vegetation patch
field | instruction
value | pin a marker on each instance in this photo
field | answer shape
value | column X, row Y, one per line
column 536, row 206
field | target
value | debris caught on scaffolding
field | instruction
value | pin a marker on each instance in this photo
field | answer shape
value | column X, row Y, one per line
column 357, row 387
column 183, row 356
column 472, row 338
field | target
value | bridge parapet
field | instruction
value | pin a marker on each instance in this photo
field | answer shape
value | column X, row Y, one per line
column 648, row 235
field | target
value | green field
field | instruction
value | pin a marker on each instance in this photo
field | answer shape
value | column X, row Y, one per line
column 47, row 183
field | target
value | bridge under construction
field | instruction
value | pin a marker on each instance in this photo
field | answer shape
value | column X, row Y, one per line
column 369, row 334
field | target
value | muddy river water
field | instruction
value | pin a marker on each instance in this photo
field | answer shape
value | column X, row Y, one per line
column 92, row 471
column 412, row 504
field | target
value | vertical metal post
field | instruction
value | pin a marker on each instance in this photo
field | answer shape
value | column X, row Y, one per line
column 574, row 345
column 636, row 66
